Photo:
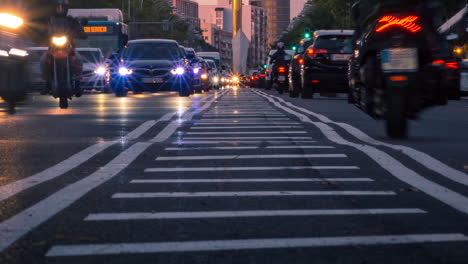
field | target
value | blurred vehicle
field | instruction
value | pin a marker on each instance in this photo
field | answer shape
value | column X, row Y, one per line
column 193, row 69
column 13, row 55
column 279, row 79
column 211, row 56
column 398, row 68
column 95, row 72
column 294, row 75
column 214, row 74
column 204, row 74
column 106, row 29
column 151, row 65
column 326, row 62
column 464, row 78
column 269, row 67
column 33, row 68
column 254, row 81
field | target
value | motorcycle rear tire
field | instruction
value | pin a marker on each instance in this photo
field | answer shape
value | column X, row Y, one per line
column 396, row 121
column 63, row 102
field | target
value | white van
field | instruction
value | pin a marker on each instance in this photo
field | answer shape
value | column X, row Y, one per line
column 211, row 56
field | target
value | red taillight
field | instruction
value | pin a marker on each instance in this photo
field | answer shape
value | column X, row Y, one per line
column 262, row 75
column 438, row 62
column 300, row 61
column 408, row 23
column 452, row 65
column 316, row 51
column 281, row 69
column 251, row 78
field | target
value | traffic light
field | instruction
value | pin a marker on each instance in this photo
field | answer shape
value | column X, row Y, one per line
column 265, row 66
column 307, row 33
column 294, row 47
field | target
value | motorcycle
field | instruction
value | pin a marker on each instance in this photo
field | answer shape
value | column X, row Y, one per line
column 280, row 77
column 12, row 59
column 61, row 80
column 394, row 73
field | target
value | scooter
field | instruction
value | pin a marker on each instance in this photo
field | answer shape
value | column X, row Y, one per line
column 280, row 77
column 394, row 74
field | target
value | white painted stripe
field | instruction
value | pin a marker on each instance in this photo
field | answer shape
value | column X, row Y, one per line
column 247, row 123
column 241, row 119
column 393, row 166
column 241, row 138
column 253, row 180
column 246, row 194
column 244, row 127
column 239, row 141
column 246, row 133
column 249, row 244
column 252, row 168
column 273, row 156
column 242, row 115
column 247, row 147
column 236, row 214
column 20, row 224
column 11, row 189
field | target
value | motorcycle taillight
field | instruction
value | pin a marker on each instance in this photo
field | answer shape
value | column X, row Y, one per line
column 452, row 65
column 409, row 23
column 281, row 69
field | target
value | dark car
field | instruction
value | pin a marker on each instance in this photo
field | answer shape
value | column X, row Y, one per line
column 151, row 65
column 325, row 63
column 295, row 87
column 255, row 80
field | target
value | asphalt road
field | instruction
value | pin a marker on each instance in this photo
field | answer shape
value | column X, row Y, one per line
column 232, row 176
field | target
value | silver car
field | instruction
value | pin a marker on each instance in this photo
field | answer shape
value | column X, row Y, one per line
column 95, row 72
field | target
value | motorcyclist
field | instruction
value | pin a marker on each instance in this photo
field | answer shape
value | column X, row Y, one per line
column 278, row 56
column 75, row 30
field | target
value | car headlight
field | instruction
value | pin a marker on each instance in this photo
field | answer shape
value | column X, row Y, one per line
column 10, row 21
column 196, row 70
column 60, row 41
column 178, row 71
column 100, row 71
column 215, row 79
column 235, row 79
column 204, row 76
column 123, row 71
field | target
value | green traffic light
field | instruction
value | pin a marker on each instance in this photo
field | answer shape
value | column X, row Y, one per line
column 265, row 66
column 307, row 35
column 294, row 48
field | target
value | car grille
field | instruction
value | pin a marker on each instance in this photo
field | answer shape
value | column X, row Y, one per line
column 151, row 72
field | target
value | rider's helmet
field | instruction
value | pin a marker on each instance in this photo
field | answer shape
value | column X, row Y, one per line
column 280, row 45
column 61, row 7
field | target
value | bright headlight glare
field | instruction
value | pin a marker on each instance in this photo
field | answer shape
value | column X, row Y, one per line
column 59, row 41
column 18, row 52
column 204, row 76
column 124, row 71
column 235, row 79
column 196, row 70
column 10, row 21
column 215, row 79
column 3, row 53
column 178, row 71
column 100, row 71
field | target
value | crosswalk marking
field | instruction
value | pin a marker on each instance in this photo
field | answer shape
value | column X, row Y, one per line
column 245, row 127
column 247, row 123
column 247, row 147
column 249, row 244
column 247, row 194
column 201, row 142
column 241, row 138
column 242, row 119
column 179, row 169
column 246, row 133
column 273, row 156
column 236, row 214
column 179, row 181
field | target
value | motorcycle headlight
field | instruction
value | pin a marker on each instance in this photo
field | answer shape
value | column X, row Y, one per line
column 59, row 41
column 10, row 21
column 123, row 71
column 204, row 76
column 178, row 71
column 100, row 71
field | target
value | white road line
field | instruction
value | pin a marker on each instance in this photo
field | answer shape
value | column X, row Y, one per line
column 248, row 147
column 273, row 156
column 242, row 119
column 421, row 157
column 249, row 244
column 236, row 214
column 180, row 181
column 252, row 168
column 246, row 133
column 393, row 166
column 11, row 189
column 242, row 115
column 200, row 142
column 246, row 123
column 245, row 127
column 241, row 138
column 20, row 224
column 246, row 194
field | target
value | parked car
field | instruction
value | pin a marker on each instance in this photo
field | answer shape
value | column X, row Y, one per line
column 295, row 84
column 34, row 80
column 153, row 65
column 95, row 72
column 326, row 63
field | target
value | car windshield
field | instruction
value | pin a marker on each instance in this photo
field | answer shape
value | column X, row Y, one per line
column 152, row 51
column 90, row 56
column 211, row 64
column 334, row 44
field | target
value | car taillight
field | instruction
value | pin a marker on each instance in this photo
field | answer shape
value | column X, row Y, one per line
column 313, row 52
column 281, row 69
column 408, row 23
column 452, row 65
column 438, row 62
column 262, row 75
column 251, row 78
column 300, row 61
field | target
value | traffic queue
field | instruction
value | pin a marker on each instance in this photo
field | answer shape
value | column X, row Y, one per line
column 392, row 66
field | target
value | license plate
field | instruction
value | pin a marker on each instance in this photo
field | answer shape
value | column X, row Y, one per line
column 152, row 80
column 464, row 81
column 282, row 78
column 400, row 59
column 340, row 57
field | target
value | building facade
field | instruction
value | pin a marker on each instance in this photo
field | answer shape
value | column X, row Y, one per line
column 254, row 25
column 278, row 17
column 187, row 9
column 296, row 8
